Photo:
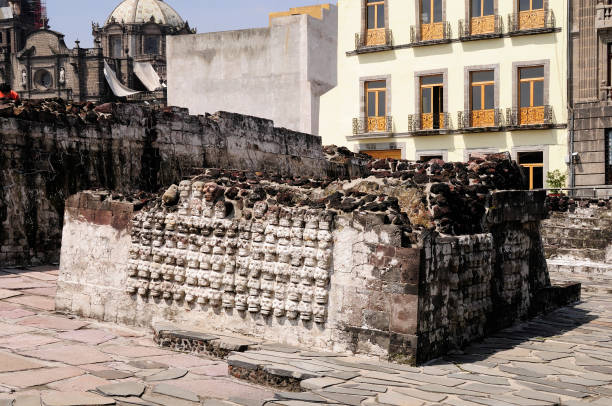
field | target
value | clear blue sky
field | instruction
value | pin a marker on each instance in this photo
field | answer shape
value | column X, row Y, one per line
column 74, row 17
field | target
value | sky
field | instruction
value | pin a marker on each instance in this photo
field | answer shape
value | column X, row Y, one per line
column 74, row 17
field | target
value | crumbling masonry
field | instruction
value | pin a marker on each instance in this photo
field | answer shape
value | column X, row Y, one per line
column 295, row 243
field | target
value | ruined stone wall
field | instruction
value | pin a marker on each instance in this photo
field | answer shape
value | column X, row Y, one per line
column 405, row 263
column 472, row 285
column 50, row 150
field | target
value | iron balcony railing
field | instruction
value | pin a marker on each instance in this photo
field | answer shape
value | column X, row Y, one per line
column 159, row 95
column 374, row 38
column 605, row 93
column 526, row 116
column 481, row 26
column 431, row 32
column 603, row 16
column 427, row 122
column 531, row 20
column 480, row 118
column 367, row 125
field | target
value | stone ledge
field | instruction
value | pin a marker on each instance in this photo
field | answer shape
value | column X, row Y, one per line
column 198, row 342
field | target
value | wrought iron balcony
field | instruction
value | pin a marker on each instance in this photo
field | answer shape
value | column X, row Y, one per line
column 367, row 125
column 603, row 16
column 530, row 116
column 605, row 93
column 431, row 33
column 427, row 122
column 529, row 21
column 381, row 37
column 481, row 27
column 480, row 118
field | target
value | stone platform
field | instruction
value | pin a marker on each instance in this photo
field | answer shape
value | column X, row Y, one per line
column 408, row 262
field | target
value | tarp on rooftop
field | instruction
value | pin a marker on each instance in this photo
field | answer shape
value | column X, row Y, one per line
column 5, row 12
column 118, row 88
column 147, row 75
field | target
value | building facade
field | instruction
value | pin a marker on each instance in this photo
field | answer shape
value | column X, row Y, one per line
column 277, row 72
column 591, row 95
column 36, row 62
column 136, row 33
column 450, row 79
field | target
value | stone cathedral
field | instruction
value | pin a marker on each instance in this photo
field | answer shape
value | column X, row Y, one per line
column 128, row 59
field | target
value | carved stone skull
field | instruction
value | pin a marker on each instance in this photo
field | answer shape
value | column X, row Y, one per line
column 211, row 191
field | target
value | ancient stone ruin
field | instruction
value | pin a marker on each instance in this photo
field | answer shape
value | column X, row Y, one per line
column 405, row 261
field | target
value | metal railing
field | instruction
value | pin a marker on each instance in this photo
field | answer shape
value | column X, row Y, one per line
column 430, row 32
column 160, row 95
column 480, row 118
column 487, row 25
column 526, row 116
column 583, row 191
column 374, row 38
column 531, row 20
column 367, row 125
column 416, row 122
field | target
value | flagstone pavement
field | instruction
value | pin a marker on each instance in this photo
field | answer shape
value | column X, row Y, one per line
column 50, row 359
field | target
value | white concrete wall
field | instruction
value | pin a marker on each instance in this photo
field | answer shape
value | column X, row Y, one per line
column 276, row 73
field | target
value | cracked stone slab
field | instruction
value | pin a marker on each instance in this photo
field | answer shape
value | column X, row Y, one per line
column 301, row 396
column 486, row 401
column 215, row 402
column 27, row 400
column 75, row 399
column 281, row 348
column 69, row 354
column 314, row 384
column 515, row 400
column 398, row 399
column 233, row 344
column 43, row 376
column 175, row 392
column 345, row 376
column 123, row 389
column 488, row 389
column 112, row 374
column 351, row 391
column 419, row 394
column 557, row 391
column 5, row 293
column 52, row 323
column 342, row 398
column 449, row 391
column 289, row 371
column 488, row 379
column 167, row 375
column 146, row 364
column 366, row 386
column 11, row 363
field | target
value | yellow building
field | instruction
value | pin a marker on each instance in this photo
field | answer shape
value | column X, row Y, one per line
column 448, row 79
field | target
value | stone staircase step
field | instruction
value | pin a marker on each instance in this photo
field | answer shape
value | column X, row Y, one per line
column 582, row 242
column 192, row 340
column 581, row 254
column 572, row 266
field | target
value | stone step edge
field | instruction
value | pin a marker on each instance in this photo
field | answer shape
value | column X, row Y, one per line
column 197, row 342
column 261, row 373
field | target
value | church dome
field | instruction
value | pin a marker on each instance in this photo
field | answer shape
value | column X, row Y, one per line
column 143, row 11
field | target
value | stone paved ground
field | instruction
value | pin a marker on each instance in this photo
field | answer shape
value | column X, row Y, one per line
column 564, row 358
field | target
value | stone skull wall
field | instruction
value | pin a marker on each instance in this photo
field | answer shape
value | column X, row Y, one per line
column 270, row 260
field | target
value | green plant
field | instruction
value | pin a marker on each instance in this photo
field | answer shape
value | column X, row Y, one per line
column 556, row 180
